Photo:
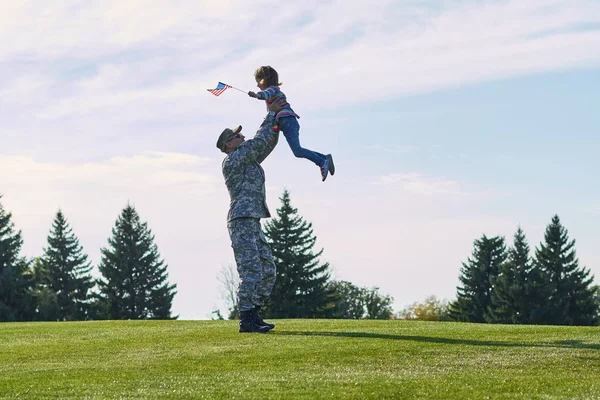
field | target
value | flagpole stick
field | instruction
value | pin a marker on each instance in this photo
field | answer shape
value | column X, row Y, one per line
column 233, row 87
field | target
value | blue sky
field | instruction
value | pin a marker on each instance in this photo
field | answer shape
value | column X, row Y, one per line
column 445, row 121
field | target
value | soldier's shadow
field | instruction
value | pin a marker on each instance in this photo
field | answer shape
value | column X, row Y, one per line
column 573, row 344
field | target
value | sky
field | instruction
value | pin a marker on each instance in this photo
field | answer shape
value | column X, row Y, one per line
column 447, row 120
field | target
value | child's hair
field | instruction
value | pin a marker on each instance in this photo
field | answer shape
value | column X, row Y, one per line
column 268, row 75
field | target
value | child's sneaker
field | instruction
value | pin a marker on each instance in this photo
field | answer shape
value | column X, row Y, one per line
column 331, row 166
column 325, row 169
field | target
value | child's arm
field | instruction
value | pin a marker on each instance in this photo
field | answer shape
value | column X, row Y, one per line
column 265, row 94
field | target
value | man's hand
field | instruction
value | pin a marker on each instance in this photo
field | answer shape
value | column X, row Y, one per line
column 252, row 94
column 276, row 106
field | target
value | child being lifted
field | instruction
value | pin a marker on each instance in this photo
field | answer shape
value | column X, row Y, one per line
column 267, row 81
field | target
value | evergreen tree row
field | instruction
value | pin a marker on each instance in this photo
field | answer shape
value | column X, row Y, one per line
column 58, row 286
column 500, row 285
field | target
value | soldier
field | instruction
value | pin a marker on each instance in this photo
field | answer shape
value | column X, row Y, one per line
column 245, row 181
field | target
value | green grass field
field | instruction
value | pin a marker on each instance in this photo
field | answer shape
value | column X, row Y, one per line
column 300, row 359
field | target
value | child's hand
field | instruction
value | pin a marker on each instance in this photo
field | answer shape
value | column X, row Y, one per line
column 252, row 94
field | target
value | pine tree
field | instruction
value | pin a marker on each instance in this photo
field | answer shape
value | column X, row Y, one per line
column 474, row 297
column 17, row 302
column 68, row 271
column 511, row 294
column 571, row 301
column 301, row 289
column 47, row 308
column 134, row 283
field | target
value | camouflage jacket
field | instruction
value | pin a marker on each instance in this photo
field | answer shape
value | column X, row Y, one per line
column 245, row 178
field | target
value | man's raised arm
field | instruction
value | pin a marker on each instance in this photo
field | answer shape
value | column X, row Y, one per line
column 262, row 144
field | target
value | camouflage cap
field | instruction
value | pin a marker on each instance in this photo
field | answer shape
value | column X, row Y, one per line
column 226, row 135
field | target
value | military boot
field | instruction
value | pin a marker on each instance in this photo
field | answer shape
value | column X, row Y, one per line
column 258, row 319
column 247, row 323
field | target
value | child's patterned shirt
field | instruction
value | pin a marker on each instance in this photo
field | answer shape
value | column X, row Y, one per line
column 271, row 94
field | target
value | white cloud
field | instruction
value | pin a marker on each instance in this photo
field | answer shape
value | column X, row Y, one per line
column 176, row 50
column 81, row 72
column 148, row 171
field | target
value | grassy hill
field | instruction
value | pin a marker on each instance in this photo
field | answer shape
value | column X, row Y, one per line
column 300, row 359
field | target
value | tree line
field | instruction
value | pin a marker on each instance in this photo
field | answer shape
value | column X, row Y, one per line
column 58, row 285
column 500, row 285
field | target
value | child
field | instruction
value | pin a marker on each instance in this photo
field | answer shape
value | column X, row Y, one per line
column 267, row 81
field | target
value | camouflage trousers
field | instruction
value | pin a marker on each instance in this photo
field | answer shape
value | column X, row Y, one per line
column 254, row 260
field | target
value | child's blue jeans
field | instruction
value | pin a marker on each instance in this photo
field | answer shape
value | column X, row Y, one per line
column 291, row 130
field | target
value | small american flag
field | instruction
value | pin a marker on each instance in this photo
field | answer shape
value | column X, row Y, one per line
column 221, row 87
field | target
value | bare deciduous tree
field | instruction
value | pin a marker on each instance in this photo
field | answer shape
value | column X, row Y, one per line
column 229, row 280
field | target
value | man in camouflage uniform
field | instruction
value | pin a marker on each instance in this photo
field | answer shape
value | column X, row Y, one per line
column 245, row 180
